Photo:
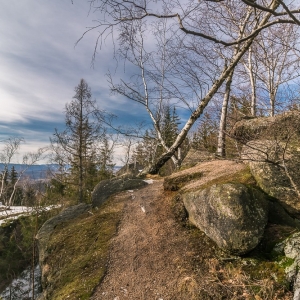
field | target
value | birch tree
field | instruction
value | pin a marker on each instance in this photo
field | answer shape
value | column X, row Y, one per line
column 241, row 31
column 277, row 49
column 10, row 149
column 251, row 66
column 7, row 155
column 203, row 20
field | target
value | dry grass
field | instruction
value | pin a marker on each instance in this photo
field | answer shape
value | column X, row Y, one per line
column 241, row 283
column 219, row 276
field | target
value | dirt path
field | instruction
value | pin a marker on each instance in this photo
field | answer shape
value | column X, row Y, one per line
column 149, row 257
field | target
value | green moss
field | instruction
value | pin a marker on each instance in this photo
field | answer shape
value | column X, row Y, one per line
column 244, row 177
column 267, row 270
column 286, row 262
column 78, row 252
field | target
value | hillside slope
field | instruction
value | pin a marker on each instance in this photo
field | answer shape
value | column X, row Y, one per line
column 155, row 253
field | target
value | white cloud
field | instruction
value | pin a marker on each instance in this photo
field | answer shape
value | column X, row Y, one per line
column 40, row 66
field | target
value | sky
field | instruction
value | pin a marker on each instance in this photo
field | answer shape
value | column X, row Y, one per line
column 40, row 65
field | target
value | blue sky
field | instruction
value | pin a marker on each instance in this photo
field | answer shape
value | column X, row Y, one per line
column 40, row 66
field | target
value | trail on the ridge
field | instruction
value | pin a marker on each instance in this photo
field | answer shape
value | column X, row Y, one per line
column 149, row 256
column 157, row 255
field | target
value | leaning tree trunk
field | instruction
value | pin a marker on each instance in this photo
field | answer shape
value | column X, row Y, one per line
column 154, row 168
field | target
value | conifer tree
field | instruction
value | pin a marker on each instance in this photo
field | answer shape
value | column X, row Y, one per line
column 76, row 146
column 205, row 136
column 106, row 165
column 13, row 177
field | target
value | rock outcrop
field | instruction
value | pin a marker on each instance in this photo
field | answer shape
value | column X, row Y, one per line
column 48, row 227
column 272, row 148
column 280, row 127
column 278, row 215
column 232, row 215
column 131, row 169
column 195, row 156
column 290, row 248
column 275, row 167
column 205, row 173
column 106, row 188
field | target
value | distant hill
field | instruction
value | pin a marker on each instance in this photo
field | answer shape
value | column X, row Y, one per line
column 37, row 172
column 34, row 172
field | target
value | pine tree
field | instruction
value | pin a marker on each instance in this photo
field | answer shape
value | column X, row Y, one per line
column 106, row 165
column 18, row 193
column 205, row 137
column 169, row 127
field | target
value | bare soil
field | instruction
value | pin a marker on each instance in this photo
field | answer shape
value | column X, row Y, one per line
column 150, row 257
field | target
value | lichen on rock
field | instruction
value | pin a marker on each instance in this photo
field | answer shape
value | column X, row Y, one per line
column 275, row 168
column 232, row 215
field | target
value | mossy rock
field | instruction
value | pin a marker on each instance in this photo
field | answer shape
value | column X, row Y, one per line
column 106, row 188
column 279, row 127
column 48, row 227
column 232, row 215
column 266, row 165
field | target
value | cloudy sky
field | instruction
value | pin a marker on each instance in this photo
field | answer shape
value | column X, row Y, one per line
column 40, row 66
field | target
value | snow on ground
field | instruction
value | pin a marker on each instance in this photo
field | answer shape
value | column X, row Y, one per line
column 5, row 211
column 21, row 287
column 149, row 181
column 14, row 212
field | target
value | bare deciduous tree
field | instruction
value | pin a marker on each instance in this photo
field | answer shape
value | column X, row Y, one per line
column 10, row 149
column 278, row 63
column 203, row 20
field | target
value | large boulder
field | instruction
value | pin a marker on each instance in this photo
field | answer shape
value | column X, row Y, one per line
column 232, row 215
column 195, row 156
column 132, row 169
column 275, row 166
column 106, row 188
column 272, row 147
column 280, row 127
column 218, row 171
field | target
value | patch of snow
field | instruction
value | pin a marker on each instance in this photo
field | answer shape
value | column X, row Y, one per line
column 149, row 181
column 14, row 212
column 21, row 287
column 130, row 191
